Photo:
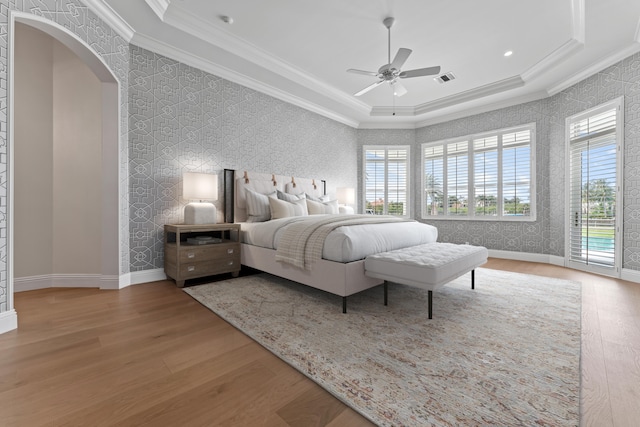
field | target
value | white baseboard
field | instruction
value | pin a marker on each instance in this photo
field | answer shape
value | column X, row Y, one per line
column 8, row 321
column 144, row 276
column 527, row 256
column 557, row 260
column 111, row 282
column 21, row 284
column 75, row 280
column 630, row 275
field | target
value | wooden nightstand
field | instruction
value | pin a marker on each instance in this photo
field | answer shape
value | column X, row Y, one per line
column 184, row 260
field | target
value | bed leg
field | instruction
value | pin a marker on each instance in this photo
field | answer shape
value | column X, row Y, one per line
column 473, row 279
column 430, row 304
column 344, row 304
column 386, row 292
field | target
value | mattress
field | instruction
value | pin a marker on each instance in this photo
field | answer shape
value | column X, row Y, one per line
column 347, row 243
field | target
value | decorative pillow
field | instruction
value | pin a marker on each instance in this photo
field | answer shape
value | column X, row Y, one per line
column 258, row 209
column 346, row 210
column 323, row 198
column 290, row 197
column 319, row 208
column 284, row 209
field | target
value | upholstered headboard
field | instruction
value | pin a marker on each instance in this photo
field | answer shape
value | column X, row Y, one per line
column 237, row 182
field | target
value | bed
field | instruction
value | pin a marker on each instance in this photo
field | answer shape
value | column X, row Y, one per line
column 339, row 266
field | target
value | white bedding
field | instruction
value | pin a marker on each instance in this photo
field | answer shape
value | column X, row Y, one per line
column 348, row 243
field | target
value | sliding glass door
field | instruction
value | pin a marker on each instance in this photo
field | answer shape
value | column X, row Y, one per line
column 594, row 192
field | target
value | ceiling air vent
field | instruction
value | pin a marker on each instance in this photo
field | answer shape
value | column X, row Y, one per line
column 444, row 78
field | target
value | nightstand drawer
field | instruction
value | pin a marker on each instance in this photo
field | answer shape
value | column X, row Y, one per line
column 209, row 268
column 212, row 252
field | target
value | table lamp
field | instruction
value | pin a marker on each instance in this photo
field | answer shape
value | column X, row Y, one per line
column 201, row 187
column 346, row 198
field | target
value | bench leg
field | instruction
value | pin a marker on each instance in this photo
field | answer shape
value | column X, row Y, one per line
column 386, row 292
column 344, row 304
column 473, row 279
column 430, row 304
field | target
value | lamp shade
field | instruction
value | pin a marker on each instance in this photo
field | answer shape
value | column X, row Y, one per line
column 346, row 195
column 199, row 186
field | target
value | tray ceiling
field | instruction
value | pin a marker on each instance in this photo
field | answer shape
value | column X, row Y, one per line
column 299, row 51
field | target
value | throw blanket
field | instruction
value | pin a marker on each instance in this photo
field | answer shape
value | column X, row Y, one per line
column 302, row 242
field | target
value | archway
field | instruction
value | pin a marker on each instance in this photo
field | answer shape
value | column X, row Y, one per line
column 109, row 200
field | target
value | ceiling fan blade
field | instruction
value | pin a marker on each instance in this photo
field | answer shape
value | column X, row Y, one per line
column 398, row 88
column 368, row 88
column 419, row 72
column 400, row 58
column 366, row 73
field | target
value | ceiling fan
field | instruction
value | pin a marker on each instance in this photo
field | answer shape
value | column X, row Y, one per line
column 391, row 72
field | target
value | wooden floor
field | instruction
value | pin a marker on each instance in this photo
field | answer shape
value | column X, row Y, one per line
column 151, row 355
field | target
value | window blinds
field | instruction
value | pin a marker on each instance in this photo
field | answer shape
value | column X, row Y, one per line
column 486, row 176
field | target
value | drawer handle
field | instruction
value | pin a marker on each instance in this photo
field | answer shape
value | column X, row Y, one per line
column 191, row 268
column 191, row 255
column 230, row 263
column 229, row 251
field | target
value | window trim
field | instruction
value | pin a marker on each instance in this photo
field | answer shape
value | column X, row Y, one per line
column 386, row 148
column 469, row 139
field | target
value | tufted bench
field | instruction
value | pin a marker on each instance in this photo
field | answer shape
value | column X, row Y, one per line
column 429, row 266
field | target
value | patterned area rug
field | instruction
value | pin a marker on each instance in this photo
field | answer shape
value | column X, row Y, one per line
column 506, row 353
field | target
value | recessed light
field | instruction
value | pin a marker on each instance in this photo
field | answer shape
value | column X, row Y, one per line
column 508, row 53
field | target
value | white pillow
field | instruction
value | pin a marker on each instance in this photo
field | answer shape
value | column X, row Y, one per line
column 284, row 209
column 319, row 208
column 258, row 209
column 290, row 197
column 346, row 210
column 323, row 198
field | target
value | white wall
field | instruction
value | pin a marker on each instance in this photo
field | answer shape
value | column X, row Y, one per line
column 58, row 143
column 33, row 151
column 77, row 165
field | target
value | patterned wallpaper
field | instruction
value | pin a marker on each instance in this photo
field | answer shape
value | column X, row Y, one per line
column 184, row 119
column 114, row 50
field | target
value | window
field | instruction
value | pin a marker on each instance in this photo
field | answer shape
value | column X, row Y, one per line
column 486, row 177
column 386, row 180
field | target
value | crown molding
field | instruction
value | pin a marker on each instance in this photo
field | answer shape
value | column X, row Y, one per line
column 194, row 25
column 388, row 124
column 536, row 96
column 563, row 53
column 108, row 15
column 595, row 68
column 170, row 51
column 467, row 112
column 393, row 111
column 159, row 7
column 470, row 95
column 578, row 20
